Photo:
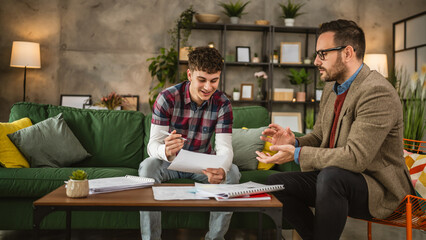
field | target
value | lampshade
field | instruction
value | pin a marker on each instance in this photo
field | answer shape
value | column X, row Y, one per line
column 378, row 62
column 25, row 54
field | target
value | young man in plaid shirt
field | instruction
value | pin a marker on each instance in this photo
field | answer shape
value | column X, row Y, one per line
column 194, row 110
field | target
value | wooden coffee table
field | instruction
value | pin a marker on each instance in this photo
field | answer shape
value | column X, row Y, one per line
column 142, row 200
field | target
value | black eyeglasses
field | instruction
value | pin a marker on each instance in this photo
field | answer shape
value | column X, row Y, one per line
column 321, row 55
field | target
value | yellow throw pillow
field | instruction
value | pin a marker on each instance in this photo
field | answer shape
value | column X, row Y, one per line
column 266, row 166
column 10, row 157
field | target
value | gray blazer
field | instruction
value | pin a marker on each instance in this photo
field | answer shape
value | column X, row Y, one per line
column 368, row 140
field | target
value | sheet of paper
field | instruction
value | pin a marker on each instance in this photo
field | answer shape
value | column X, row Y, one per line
column 234, row 190
column 175, row 193
column 193, row 162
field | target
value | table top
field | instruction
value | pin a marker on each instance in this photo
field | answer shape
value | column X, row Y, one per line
column 143, row 197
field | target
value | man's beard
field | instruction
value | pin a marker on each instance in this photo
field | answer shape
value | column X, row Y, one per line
column 338, row 73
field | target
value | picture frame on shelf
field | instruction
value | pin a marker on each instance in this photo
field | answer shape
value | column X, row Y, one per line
column 243, row 53
column 293, row 120
column 290, row 52
column 131, row 102
column 75, row 100
column 247, row 91
column 183, row 53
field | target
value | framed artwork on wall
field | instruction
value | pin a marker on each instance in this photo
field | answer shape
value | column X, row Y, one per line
column 243, row 54
column 293, row 120
column 247, row 91
column 290, row 52
column 75, row 101
column 131, row 102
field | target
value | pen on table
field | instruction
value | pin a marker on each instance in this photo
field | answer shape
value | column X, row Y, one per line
column 167, row 133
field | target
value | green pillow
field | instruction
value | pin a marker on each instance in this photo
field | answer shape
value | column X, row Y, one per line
column 49, row 143
column 245, row 143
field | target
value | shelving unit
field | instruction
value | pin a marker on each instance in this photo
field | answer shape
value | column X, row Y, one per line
column 268, row 37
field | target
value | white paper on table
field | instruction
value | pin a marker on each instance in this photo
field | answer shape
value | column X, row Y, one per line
column 193, row 162
column 176, row 193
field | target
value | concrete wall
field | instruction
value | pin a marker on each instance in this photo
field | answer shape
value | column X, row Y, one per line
column 95, row 47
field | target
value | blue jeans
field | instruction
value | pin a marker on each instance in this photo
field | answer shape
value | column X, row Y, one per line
column 151, row 221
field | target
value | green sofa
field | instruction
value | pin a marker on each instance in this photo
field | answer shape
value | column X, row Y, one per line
column 117, row 141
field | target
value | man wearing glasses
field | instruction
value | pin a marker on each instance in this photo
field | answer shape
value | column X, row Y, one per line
column 352, row 163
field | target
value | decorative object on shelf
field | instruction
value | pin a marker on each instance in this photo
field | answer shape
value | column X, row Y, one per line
column 255, row 59
column 75, row 101
column 183, row 53
column 378, row 62
column 247, row 91
column 261, row 77
column 309, row 120
column 275, row 57
column 164, row 67
column 307, row 61
column 132, row 102
column 112, row 101
column 283, row 94
column 78, row 185
column 234, row 10
column 230, row 58
column 290, row 12
column 211, row 45
column 290, row 52
column 299, row 78
column 25, row 55
column 243, row 54
column 293, row 120
column 318, row 90
column 236, row 94
column 261, row 22
column 207, row 18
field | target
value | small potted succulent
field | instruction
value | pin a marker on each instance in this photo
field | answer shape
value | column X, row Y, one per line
column 255, row 58
column 236, row 94
column 234, row 10
column 290, row 12
column 78, row 185
column 299, row 78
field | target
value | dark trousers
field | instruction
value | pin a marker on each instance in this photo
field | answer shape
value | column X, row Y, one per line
column 335, row 193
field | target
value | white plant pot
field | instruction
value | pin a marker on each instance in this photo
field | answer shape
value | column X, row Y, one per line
column 77, row 188
column 234, row 20
column 236, row 96
column 318, row 94
column 289, row 22
column 308, row 130
column 255, row 59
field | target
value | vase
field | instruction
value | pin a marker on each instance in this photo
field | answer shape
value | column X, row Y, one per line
column 77, row 188
column 301, row 96
column 236, row 96
column 289, row 22
column 259, row 95
column 234, row 20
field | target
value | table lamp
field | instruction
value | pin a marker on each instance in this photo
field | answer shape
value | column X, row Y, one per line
column 377, row 62
column 25, row 55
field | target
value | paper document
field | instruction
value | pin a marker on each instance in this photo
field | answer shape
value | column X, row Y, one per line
column 175, row 193
column 193, row 162
column 234, row 190
column 252, row 197
column 113, row 184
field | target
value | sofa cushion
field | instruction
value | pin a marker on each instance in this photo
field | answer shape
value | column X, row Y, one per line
column 113, row 138
column 250, row 117
column 416, row 164
column 10, row 157
column 245, row 143
column 266, row 149
column 49, row 143
column 37, row 182
column 36, row 112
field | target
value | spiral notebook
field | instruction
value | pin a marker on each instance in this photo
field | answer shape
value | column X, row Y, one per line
column 113, row 184
column 234, row 190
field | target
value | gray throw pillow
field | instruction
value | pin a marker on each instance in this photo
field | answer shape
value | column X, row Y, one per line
column 245, row 143
column 49, row 143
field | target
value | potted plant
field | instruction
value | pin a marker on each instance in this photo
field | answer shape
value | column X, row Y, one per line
column 234, row 10
column 78, row 185
column 112, row 101
column 236, row 94
column 309, row 120
column 290, row 12
column 255, row 58
column 261, row 77
column 299, row 78
column 319, row 89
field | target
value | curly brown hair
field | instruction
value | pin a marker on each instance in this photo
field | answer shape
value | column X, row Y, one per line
column 205, row 59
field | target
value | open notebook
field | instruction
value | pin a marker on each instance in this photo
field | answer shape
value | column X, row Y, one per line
column 234, row 190
column 113, row 184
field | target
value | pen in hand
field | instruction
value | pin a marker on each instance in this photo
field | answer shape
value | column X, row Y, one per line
column 167, row 133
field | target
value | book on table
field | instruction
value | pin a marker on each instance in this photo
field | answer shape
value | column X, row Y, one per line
column 225, row 191
column 113, row 184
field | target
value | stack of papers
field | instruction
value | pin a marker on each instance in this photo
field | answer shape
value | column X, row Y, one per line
column 234, row 190
column 113, row 184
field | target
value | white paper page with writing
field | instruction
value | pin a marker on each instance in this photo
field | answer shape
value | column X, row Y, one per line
column 176, row 193
column 193, row 162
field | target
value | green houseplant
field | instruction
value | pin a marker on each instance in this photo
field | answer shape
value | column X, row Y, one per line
column 236, row 94
column 164, row 67
column 299, row 78
column 309, row 120
column 78, row 185
column 234, row 10
column 290, row 12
